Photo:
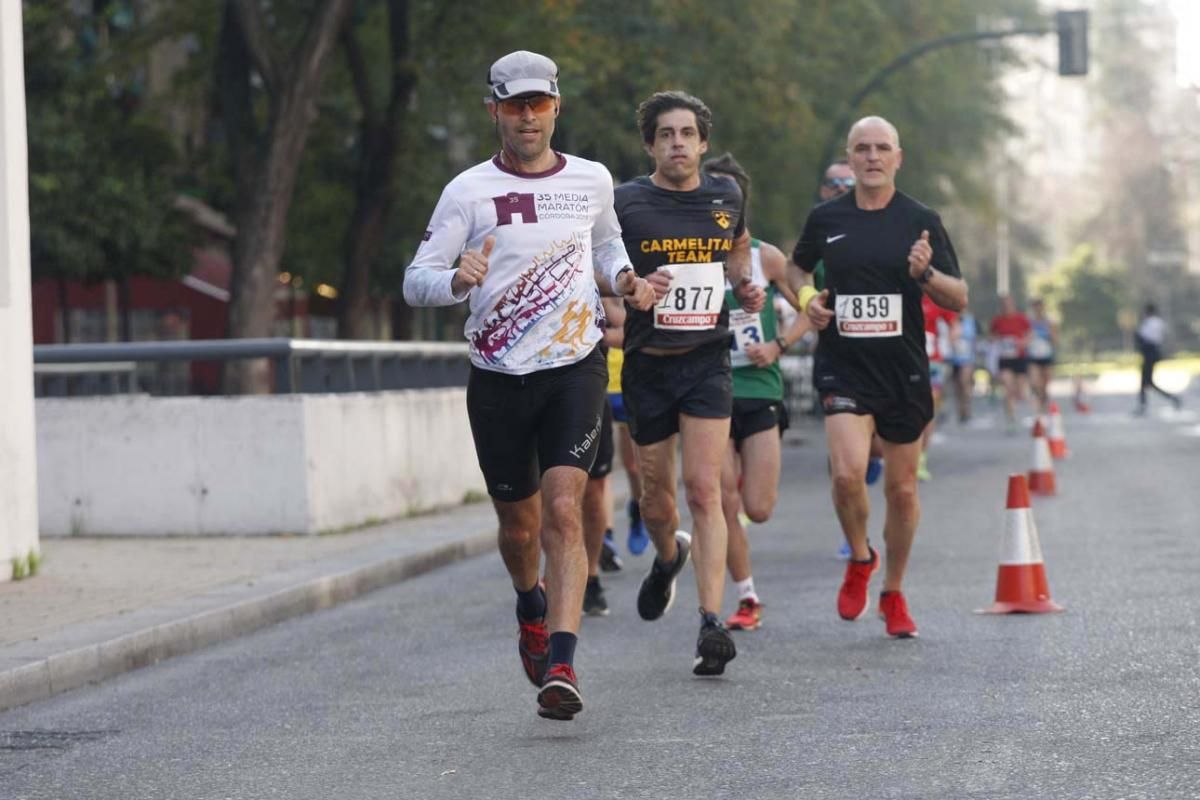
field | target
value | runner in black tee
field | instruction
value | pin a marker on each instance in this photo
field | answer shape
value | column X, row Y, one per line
column 872, row 350
column 685, row 236
column 664, row 228
column 882, row 251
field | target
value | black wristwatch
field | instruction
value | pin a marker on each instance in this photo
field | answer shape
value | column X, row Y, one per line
column 782, row 343
column 926, row 276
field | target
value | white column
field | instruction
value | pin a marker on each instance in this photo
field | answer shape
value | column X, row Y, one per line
column 18, row 469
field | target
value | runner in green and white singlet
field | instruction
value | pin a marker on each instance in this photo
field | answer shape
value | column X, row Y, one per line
column 750, row 474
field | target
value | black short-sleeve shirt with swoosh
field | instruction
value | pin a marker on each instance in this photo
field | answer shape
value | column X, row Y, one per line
column 866, row 256
column 663, row 227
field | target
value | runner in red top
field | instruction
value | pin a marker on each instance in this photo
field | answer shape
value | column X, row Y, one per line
column 939, row 322
column 1010, row 333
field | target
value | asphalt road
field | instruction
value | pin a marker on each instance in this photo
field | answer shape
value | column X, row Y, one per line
column 416, row 691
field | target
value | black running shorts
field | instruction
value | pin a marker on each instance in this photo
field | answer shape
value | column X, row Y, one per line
column 658, row 389
column 604, row 445
column 1017, row 366
column 525, row 424
column 899, row 419
column 754, row 415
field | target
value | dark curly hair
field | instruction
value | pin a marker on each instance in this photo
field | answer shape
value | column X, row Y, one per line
column 661, row 102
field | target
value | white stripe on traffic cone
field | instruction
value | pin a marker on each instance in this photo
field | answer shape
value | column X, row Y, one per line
column 1041, row 476
column 1021, row 585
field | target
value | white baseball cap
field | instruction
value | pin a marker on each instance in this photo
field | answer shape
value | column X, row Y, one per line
column 523, row 72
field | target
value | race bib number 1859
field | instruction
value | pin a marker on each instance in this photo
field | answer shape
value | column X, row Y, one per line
column 869, row 315
column 693, row 301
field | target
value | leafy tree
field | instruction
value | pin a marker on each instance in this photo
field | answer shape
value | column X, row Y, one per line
column 384, row 128
column 1088, row 295
column 103, row 171
column 1137, row 219
column 267, row 132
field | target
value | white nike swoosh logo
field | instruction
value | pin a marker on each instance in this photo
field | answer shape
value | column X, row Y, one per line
column 831, row 239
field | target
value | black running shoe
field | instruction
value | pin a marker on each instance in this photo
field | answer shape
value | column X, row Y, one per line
column 714, row 648
column 594, row 602
column 560, row 698
column 658, row 588
column 609, row 560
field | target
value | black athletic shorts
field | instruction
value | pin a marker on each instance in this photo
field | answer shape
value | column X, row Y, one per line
column 899, row 419
column 604, row 445
column 753, row 415
column 1042, row 362
column 525, row 424
column 658, row 389
column 1017, row 366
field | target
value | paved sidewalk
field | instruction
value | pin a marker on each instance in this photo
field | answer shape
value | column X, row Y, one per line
column 101, row 606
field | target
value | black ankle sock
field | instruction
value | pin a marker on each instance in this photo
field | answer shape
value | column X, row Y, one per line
column 608, row 533
column 635, row 512
column 562, row 647
column 870, row 560
column 593, row 580
column 531, row 605
column 662, row 562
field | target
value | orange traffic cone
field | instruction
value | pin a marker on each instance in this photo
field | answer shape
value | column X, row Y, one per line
column 1041, row 476
column 1081, row 403
column 1021, row 586
column 1039, row 419
column 1056, row 436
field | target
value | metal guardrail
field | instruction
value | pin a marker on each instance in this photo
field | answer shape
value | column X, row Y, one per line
column 298, row 365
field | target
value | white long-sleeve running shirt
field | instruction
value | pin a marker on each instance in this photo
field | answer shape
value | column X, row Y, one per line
column 538, row 306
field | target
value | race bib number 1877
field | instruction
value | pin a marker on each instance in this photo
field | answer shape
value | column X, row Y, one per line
column 693, row 301
column 869, row 315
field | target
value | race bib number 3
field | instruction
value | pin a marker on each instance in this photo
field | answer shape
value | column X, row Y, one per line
column 747, row 330
column 694, row 299
column 867, row 316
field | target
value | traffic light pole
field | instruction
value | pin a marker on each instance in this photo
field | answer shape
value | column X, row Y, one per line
column 843, row 122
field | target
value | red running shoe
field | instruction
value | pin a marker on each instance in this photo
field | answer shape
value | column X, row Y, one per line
column 560, row 698
column 894, row 611
column 748, row 616
column 534, row 646
column 853, row 600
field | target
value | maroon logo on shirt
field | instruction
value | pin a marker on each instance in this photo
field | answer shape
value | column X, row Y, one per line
column 512, row 204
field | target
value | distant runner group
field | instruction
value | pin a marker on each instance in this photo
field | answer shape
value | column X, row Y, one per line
column 645, row 319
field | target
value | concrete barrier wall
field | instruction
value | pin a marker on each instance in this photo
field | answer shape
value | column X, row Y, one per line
column 387, row 454
column 249, row 465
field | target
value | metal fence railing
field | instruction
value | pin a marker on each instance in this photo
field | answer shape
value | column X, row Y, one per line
column 301, row 366
column 297, row 365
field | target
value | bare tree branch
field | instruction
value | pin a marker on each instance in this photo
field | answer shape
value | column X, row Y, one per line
column 320, row 37
column 359, row 76
column 258, row 42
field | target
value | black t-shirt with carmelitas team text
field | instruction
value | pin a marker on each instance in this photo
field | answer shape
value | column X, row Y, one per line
column 875, row 344
column 691, row 234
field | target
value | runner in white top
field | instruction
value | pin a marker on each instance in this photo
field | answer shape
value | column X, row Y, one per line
column 1150, row 336
column 536, row 241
